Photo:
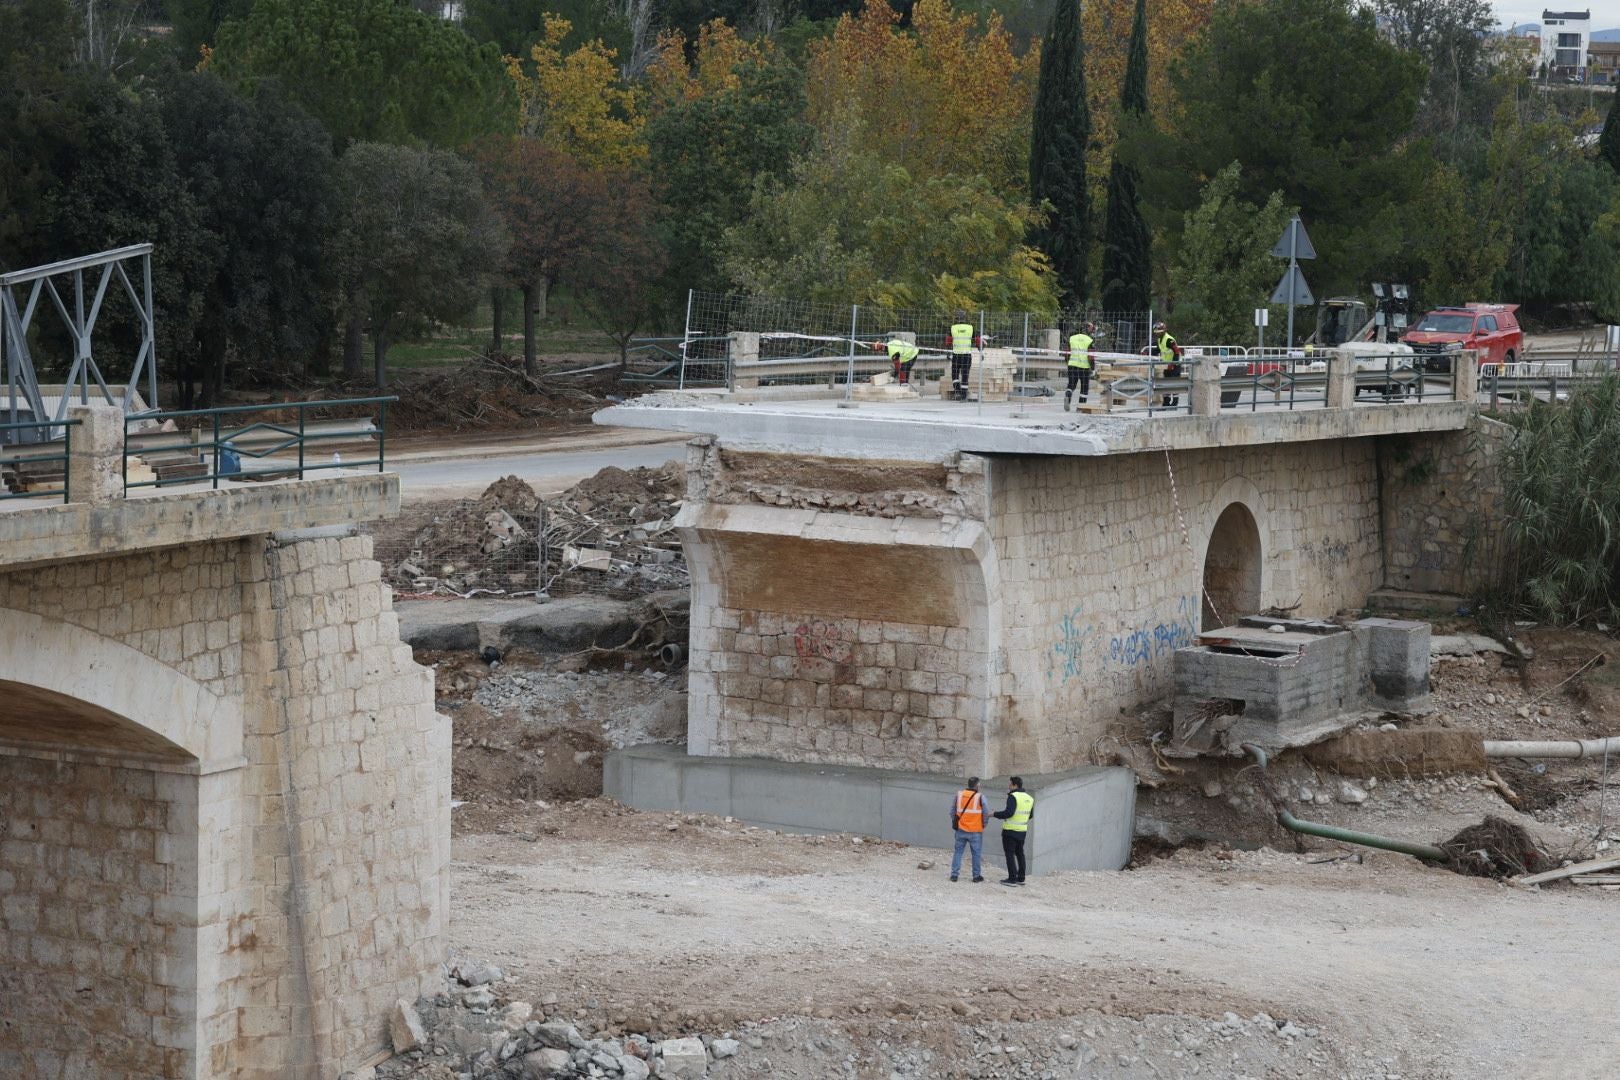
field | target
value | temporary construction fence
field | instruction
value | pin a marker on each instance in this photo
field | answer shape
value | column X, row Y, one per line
column 737, row 341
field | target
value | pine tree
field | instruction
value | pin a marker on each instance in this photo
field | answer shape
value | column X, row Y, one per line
column 1127, row 266
column 1057, row 154
column 1609, row 141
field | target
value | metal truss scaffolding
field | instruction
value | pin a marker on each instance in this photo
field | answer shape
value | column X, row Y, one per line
column 79, row 314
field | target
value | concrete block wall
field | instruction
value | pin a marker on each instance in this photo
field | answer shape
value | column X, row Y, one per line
column 302, row 776
column 1442, row 495
column 1101, row 564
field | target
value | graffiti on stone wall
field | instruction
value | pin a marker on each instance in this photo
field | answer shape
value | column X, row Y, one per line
column 822, row 641
column 1067, row 649
column 1146, row 644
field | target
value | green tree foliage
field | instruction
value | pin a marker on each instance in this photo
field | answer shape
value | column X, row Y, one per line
column 1057, row 154
column 196, row 22
column 263, row 180
column 617, row 276
column 515, row 25
column 1562, row 519
column 414, row 242
column 848, row 227
column 1127, row 261
column 1224, row 268
column 371, row 70
column 1609, row 141
column 1451, row 37
column 1315, row 103
column 705, row 155
column 1566, row 247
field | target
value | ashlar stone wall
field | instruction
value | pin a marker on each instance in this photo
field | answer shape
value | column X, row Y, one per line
column 1102, row 566
column 1442, row 497
column 224, row 811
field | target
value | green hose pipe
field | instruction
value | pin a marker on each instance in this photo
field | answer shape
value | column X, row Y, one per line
column 1348, row 836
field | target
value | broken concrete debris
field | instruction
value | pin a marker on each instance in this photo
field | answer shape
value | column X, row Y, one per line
column 612, row 533
column 466, row 1037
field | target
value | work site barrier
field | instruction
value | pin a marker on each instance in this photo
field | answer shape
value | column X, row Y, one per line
column 744, row 342
column 209, row 445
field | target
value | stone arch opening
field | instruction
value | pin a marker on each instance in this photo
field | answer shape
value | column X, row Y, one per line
column 1232, row 568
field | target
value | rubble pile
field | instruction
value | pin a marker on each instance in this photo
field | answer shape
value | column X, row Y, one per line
column 612, row 535
column 471, row 1032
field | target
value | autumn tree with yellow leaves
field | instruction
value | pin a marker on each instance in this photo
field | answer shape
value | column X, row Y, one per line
column 942, row 98
column 577, row 103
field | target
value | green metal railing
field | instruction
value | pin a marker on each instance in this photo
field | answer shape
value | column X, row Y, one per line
column 211, row 436
column 15, row 458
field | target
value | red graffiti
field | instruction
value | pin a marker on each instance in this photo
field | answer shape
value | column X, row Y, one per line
column 823, row 641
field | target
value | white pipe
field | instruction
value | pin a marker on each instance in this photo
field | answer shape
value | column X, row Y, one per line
column 1556, row 748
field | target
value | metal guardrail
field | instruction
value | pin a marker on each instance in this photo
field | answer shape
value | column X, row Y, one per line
column 13, row 458
column 215, row 440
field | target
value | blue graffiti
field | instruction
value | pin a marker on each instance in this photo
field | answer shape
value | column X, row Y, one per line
column 1147, row 644
column 1071, row 642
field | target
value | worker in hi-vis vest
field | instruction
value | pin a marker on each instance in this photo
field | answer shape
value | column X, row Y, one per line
column 1015, row 821
column 902, row 354
column 1170, row 357
column 967, row 821
column 1079, row 356
column 962, row 341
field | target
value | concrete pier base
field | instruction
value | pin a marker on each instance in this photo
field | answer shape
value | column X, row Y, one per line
column 1083, row 817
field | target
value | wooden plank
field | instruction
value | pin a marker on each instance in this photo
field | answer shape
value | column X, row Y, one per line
column 1596, row 879
column 1590, row 866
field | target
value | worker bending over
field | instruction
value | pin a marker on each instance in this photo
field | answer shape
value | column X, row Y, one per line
column 962, row 342
column 1015, row 821
column 902, row 354
column 1079, row 363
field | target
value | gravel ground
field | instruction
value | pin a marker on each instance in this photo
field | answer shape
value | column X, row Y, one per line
column 673, row 925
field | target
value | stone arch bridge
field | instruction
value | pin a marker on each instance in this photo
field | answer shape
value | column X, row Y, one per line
column 224, row 790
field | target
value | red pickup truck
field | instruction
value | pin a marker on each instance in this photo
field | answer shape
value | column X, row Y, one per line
column 1492, row 329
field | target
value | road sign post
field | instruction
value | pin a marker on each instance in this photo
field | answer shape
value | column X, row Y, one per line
column 1262, row 319
column 1293, row 245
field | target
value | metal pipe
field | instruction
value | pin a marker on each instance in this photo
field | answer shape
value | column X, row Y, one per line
column 1553, row 748
column 1347, row 836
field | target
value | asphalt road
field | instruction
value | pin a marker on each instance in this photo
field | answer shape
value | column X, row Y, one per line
column 546, row 468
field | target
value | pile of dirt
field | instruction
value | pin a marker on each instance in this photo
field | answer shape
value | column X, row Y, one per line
column 612, row 534
column 486, row 393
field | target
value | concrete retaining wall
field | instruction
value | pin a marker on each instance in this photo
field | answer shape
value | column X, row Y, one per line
column 1083, row 817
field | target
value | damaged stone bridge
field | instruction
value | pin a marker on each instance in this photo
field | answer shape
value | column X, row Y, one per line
column 956, row 589
column 224, row 789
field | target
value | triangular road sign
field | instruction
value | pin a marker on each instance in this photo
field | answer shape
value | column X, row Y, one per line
column 1302, row 243
column 1293, row 290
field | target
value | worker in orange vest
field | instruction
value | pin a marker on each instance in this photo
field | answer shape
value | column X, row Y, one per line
column 967, row 819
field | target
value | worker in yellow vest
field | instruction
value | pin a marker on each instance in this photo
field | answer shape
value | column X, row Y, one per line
column 1015, row 821
column 1079, row 355
column 1170, row 357
column 962, row 341
column 967, row 821
column 902, row 354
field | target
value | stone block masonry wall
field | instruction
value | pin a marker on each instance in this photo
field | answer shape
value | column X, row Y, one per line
column 1100, row 584
column 849, row 691
column 93, row 928
column 287, row 884
column 1442, row 508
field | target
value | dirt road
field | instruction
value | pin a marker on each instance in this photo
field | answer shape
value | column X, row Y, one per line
column 1416, row 972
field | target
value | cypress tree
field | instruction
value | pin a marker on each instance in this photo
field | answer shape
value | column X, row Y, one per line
column 1057, row 154
column 1609, row 141
column 1127, row 260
